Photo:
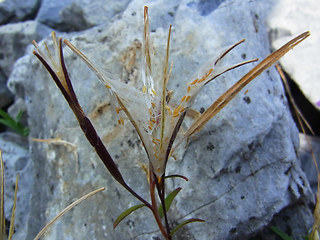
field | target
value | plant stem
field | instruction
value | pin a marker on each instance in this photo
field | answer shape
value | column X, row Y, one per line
column 86, row 125
column 104, row 155
column 161, row 193
column 154, row 209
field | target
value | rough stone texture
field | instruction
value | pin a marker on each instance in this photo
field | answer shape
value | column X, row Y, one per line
column 15, row 38
column 19, row 106
column 16, row 10
column 76, row 15
column 288, row 19
column 6, row 96
column 307, row 161
column 293, row 220
column 242, row 167
column 16, row 159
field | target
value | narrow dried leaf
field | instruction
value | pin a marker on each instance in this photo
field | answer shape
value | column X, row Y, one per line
column 314, row 235
column 227, row 51
column 225, row 98
column 126, row 213
column 168, row 201
column 45, row 229
column 11, row 230
column 86, row 60
column 300, row 118
column 291, row 99
column 2, row 218
column 146, row 39
column 164, row 90
column 191, row 220
column 231, row 68
column 316, row 216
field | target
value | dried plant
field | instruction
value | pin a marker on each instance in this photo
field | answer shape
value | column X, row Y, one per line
column 3, row 232
column 64, row 211
column 150, row 111
column 303, row 123
column 8, row 235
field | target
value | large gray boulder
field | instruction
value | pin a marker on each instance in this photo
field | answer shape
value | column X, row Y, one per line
column 77, row 15
column 6, row 97
column 242, row 167
column 15, row 37
column 16, row 10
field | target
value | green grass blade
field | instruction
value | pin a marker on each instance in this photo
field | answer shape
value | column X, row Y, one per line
column 14, row 124
column 280, row 233
column 11, row 230
column 168, row 201
column 191, row 220
column 126, row 213
column 25, row 131
column 9, row 123
column 19, row 116
column 4, row 114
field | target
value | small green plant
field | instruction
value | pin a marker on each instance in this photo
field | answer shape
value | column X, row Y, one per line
column 285, row 236
column 150, row 110
column 280, row 233
column 14, row 124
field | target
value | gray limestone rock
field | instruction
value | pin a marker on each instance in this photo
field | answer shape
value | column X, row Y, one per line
column 15, row 38
column 6, row 96
column 242, row 167
column 16, row 158
column 77, row 15
column 309, row 144
column 293, row 220
column 6, row 12
column 16, row 10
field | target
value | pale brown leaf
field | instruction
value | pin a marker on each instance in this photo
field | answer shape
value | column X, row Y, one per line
column 225, row 98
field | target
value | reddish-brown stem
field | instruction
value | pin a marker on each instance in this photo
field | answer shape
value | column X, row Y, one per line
column 154, row 209
column 95, row 141
column 161, row 193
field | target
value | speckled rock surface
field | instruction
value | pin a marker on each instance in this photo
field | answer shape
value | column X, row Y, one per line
column 242, row 167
